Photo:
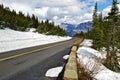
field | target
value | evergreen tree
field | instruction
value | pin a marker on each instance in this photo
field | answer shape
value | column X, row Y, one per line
column 95, row 15
column 34, row 21
column 105, row 32
column 95, row 20
column 113, row 18
column 97, row 30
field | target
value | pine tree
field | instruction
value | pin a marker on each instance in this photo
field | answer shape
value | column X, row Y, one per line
column 95, row 15
column 97, row 30
column 112, row 62
column 94, row 23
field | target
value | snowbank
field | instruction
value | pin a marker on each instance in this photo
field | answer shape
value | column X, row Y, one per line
column 106, row 74
column 54, row 72
column 87, row 42
column 89, row 58
column 89, row 52
column 11, row 40
column 66, row 57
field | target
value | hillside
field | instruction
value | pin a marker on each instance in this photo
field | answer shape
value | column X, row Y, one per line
column 20, row 22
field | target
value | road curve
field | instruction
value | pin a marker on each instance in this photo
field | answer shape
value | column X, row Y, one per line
column 15, row 62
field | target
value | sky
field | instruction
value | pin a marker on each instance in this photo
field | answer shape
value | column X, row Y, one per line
column 60, row 11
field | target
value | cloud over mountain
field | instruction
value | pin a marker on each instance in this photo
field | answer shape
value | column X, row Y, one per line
column 71, row 11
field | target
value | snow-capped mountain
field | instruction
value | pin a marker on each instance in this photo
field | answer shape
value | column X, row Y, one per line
column 73, row 29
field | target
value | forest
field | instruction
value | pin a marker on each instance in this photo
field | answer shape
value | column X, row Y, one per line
column 105, row 32
column 20, row 22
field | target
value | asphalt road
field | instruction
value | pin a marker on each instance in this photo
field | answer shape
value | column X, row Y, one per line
column 32, row 63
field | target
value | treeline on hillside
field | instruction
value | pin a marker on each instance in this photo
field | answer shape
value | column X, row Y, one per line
column 20, row 22
column 106, row 33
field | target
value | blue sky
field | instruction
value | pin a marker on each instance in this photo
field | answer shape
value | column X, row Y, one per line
column 59, row 11
column 102, row 6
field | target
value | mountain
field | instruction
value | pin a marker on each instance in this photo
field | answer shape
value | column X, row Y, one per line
column 73, row 29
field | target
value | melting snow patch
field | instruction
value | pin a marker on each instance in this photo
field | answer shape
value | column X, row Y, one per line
column 32, row 30
column 88, row 57
column 66, row 57
column 54, row 72
column 107, row 74
column 87, row 42
column 89, row 52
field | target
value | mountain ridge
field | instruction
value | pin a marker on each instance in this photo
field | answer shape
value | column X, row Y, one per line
column 72, row 29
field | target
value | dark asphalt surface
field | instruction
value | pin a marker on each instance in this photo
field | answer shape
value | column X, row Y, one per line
column 13, row 52
column 35, row 65
column 37, row 72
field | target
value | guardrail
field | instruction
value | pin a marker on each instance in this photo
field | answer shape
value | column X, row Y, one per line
column 71, row 72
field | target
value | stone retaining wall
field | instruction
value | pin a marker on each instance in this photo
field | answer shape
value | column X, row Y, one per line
column 71, row 72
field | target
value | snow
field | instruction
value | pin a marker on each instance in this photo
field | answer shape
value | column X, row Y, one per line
column 89, row 52
column 54, row 72
column 90, row 59
column 107, row 74
column 87, row 42
column 66, row 57
column 32, row 30
column 12, row 40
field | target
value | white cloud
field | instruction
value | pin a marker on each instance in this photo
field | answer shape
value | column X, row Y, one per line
column 20, row 7
column 72, row 11
column 55, row 17
column 41, row 12
column 54, row 11
column 107, row 10
column 96, row 0
column 58, row 3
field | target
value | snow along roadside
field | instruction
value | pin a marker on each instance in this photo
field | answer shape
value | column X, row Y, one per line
column 12, row 40
column 89, row 58
column 54, row 72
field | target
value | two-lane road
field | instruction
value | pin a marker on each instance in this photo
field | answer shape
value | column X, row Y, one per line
column 32, row 63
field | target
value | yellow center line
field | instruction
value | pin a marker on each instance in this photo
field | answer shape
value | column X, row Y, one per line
column 30, row 52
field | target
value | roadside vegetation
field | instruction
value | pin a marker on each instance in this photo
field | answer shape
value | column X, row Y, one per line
column 105, row 32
